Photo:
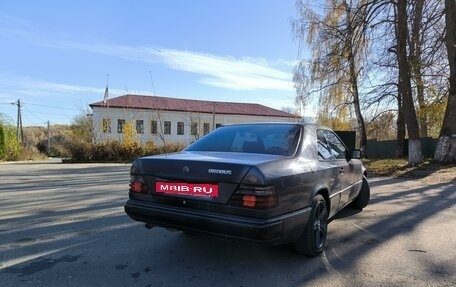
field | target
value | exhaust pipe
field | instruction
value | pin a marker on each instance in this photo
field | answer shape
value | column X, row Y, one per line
column 149, row 226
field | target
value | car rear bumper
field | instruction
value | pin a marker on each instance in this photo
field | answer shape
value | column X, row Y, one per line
column 277, row 230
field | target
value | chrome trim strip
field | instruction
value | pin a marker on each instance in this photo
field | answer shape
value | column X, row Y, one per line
column 341, row 191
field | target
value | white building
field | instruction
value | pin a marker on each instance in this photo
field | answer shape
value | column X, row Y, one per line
column 175, row 120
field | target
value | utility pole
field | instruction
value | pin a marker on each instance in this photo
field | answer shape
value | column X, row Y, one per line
column 213, row 116
column 19, row 130
column 49, row 139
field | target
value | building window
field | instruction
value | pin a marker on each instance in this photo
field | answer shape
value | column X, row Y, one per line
column 107, row 126
column 194, row 129
column 218, row 125
column 153, row 127
column 180, row 128
column 206, row 128
column 140, row 126
column 120, row 126
column 167, row 128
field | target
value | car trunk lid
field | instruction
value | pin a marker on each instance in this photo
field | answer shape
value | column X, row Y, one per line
column 201, row 176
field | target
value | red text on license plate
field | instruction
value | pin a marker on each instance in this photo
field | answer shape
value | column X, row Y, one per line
column 182, row 188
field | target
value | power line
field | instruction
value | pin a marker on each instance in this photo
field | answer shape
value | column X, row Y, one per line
column 49, row 114
column 40, row 105
column 53, row 107
column 33, row 114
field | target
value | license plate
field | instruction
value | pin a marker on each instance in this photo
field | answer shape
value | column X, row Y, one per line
column 182, row 188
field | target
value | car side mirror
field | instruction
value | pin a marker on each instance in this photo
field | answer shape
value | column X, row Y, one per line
column 356, row 154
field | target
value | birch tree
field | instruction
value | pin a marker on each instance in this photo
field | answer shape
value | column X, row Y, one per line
column 338, row 47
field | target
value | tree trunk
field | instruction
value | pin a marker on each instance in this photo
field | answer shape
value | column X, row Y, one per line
column 422, row 112
column 400, row 136
column 353, row 78
column 360, row 120
column 416, row 66
column 405, row 86
column 446, row 146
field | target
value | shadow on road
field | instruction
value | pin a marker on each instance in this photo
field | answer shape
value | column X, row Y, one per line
column 94, row 223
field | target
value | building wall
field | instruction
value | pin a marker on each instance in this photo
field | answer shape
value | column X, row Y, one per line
column 147, row 116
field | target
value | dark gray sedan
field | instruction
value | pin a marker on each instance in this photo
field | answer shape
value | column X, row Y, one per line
column 270, row 183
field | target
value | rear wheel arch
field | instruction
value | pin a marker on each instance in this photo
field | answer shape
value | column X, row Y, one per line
column 325, row 193
column 362, row 199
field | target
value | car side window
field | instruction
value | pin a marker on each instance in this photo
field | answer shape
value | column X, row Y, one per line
column 337, row 148
column 324, row 152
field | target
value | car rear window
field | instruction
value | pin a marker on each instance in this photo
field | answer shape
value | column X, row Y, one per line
column 278, row 139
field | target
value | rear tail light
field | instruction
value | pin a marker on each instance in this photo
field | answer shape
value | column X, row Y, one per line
column 253, row 193
column 137, row 184
column 259, row 197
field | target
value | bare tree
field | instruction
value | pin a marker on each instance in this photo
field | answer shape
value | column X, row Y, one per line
column 415, row 44
column 426, row 58
column 446, row 147
column 195, row 125
column 405, row 86
column 425, row 53
column 405, row 72
column 338, row 45
column 383, row 93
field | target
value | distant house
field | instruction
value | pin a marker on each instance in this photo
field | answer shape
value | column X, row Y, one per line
column 175, row 120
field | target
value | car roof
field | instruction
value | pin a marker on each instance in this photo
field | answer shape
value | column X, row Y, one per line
column 309, row 125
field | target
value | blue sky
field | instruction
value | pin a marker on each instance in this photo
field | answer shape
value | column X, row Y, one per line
column 55, row 55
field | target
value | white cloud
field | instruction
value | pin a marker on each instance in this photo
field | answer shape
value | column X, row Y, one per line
column 289, row 63
column 226, row 72
column 32, row 87
column 35, row 90
column 245, row 73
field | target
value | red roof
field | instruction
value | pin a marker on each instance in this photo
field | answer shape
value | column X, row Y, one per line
column 184, row 105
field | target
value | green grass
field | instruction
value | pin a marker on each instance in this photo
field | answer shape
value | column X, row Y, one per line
column 385, row 167
column 399, row 167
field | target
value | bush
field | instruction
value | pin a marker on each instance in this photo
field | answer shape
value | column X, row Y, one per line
column 59, row 151
column 151, row 149
column 171, row 147
column 114, row 151
column 11, row 148
column 31, row 153
column 2, row 142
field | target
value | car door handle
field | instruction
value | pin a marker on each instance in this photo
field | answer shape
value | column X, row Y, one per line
column 341, row 170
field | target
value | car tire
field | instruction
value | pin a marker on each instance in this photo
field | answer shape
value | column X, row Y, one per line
column 363, row 197
column 312, row 241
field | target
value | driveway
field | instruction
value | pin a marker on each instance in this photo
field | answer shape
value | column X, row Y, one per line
column 64, row 225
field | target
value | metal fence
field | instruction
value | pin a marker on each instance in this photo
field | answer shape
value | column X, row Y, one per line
column 387, row 149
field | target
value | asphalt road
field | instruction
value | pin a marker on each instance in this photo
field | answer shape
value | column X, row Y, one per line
column 64, row 225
